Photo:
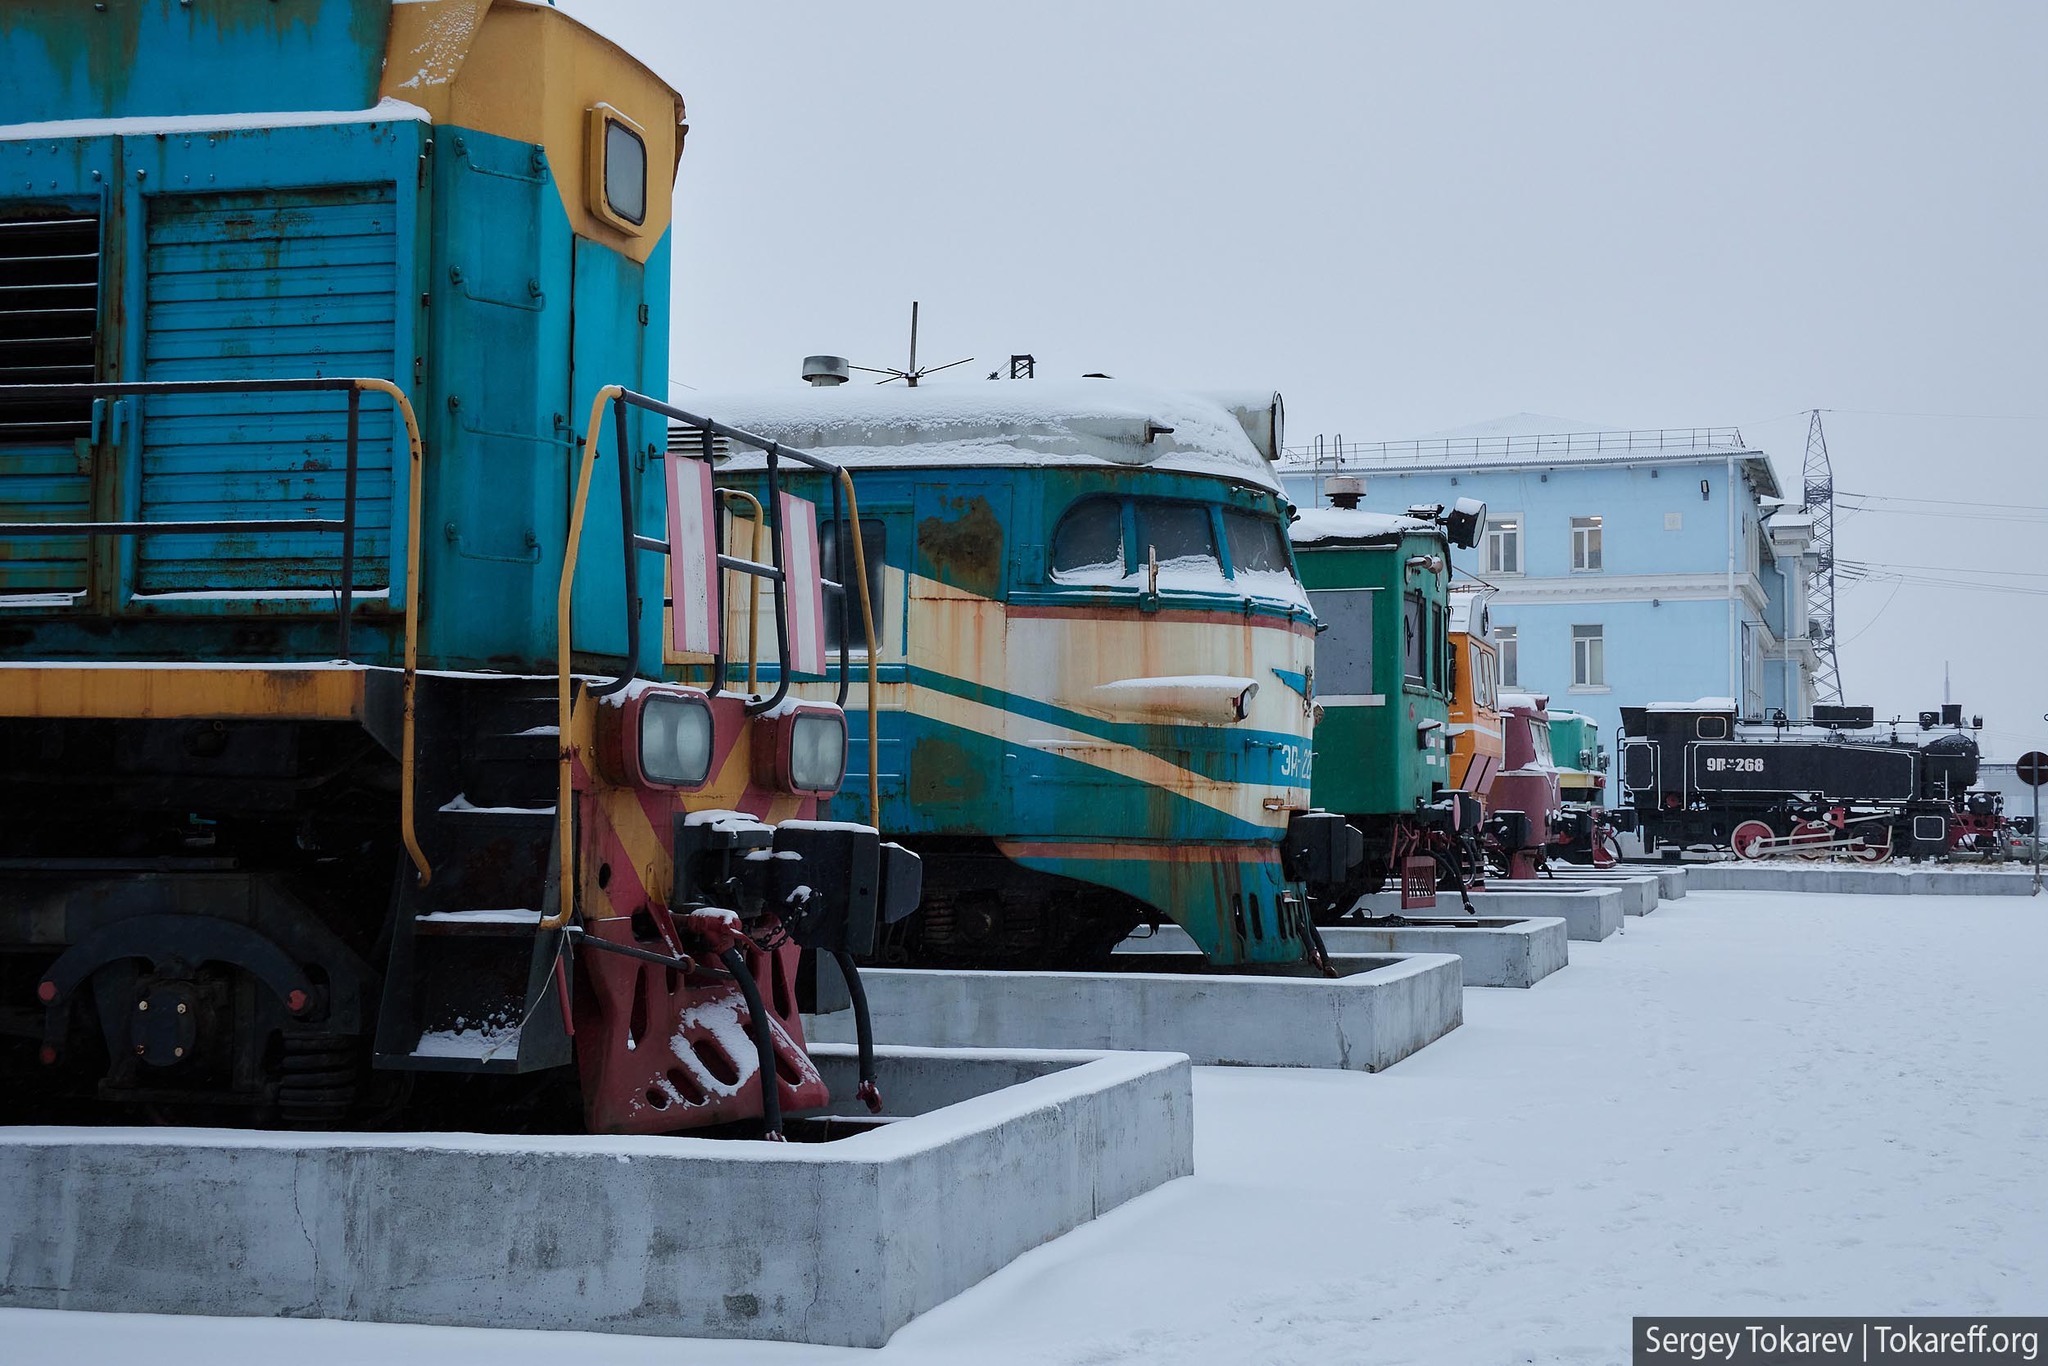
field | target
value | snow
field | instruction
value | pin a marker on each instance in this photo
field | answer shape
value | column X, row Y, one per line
column 723, row 821
column 41, row 599
column 483, row 1039
column 1353, row 524
column 1764, row 1104
column 384, row 111
column 1508, row 701
column 1697, row 704
column 517, row 915
column 460, row 803
column 326, row 595
column 1003, row 423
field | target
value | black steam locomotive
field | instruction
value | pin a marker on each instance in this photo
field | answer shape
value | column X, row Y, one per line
column 1699, row 774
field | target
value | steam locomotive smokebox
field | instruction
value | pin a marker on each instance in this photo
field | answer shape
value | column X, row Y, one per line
column 833, row 1242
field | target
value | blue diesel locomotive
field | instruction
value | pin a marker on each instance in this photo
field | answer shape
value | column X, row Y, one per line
column 349, row 763
column 1095, row 679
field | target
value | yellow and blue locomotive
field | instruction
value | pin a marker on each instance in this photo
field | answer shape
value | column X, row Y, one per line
column 354, row 770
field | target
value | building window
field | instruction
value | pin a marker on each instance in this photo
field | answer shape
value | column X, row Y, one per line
column 1504, row 546
column 1589, row 656
column 1585, row 543
column 1506, row 641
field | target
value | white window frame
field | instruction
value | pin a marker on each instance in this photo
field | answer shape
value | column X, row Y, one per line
column 1507, row 648
column 1497, row 530
column 1588, row 544
column 1589, row 657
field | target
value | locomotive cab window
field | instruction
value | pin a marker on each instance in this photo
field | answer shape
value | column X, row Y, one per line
column 616, row 169
column 1711, row 728
column 1183, row 537
column 1088, row 544
column 1257, row 544
column 1414, row 635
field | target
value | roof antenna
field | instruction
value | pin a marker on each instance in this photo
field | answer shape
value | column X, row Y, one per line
column 912, row 375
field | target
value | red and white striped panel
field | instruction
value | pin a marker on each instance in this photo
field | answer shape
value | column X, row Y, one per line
column 806, row 593
column 692, row 556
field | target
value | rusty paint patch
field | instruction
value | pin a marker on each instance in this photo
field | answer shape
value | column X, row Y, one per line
column 965, row 550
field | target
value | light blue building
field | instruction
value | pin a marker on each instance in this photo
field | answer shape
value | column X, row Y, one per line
column 1632, row 566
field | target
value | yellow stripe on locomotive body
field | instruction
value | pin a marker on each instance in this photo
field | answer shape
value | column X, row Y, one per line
column 1096, row 659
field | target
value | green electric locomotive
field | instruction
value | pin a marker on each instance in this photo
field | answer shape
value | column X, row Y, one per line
column 1380, row 586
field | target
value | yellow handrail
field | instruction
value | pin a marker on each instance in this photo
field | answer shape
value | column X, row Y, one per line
column 867, row 621
column 407, row 763
column 565, row 796
column 564, row 782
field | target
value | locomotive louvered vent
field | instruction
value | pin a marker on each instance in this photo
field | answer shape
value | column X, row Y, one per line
column 49, row 308
column 687, row 438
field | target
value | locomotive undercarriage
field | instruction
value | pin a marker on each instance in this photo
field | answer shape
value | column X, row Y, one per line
column 983, row 910
column 214, row 922
column 1449, row 840
column 193, row 919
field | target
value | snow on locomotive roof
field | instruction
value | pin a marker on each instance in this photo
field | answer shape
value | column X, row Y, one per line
column 1312, row 525
column 1020, row 423
column 1532, row 700
column 1697, row 704
column 1464, row 597
column 386, row 110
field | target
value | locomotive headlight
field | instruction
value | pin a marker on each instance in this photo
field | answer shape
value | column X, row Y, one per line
column 817, row 751
column 675, row 740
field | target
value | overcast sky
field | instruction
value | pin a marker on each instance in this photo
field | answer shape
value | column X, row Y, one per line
column 1411, row 217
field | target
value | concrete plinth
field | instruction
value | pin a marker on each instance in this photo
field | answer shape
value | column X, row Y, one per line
column 1495, row 951
column 1640, row 892
column 1901, row 880
column 1381, row 1009
column 836, row 1243
column 1588, row 915
column 1671, row 878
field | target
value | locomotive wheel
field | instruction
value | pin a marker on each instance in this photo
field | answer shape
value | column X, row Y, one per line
column 1869, row 852
column 1751, row 839
column 1816, row 833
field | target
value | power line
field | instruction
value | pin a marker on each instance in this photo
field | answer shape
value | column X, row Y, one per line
column 1940, row 502
column 1966, row 417
column 1946, row 568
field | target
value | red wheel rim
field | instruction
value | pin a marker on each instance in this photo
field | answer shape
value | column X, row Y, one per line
column 1749, row 839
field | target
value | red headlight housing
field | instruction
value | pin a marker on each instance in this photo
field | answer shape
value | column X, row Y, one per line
column 659, row 737
column 802, row 749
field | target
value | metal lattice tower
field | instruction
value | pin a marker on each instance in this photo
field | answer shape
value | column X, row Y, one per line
column 1820, row 585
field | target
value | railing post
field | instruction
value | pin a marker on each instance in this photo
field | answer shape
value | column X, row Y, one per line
column 348, row 524
column 626, row 532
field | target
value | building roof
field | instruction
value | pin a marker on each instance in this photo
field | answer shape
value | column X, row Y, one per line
column 1506, row 444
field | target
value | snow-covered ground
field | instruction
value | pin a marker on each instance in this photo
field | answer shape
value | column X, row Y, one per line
column 1750, row 1103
